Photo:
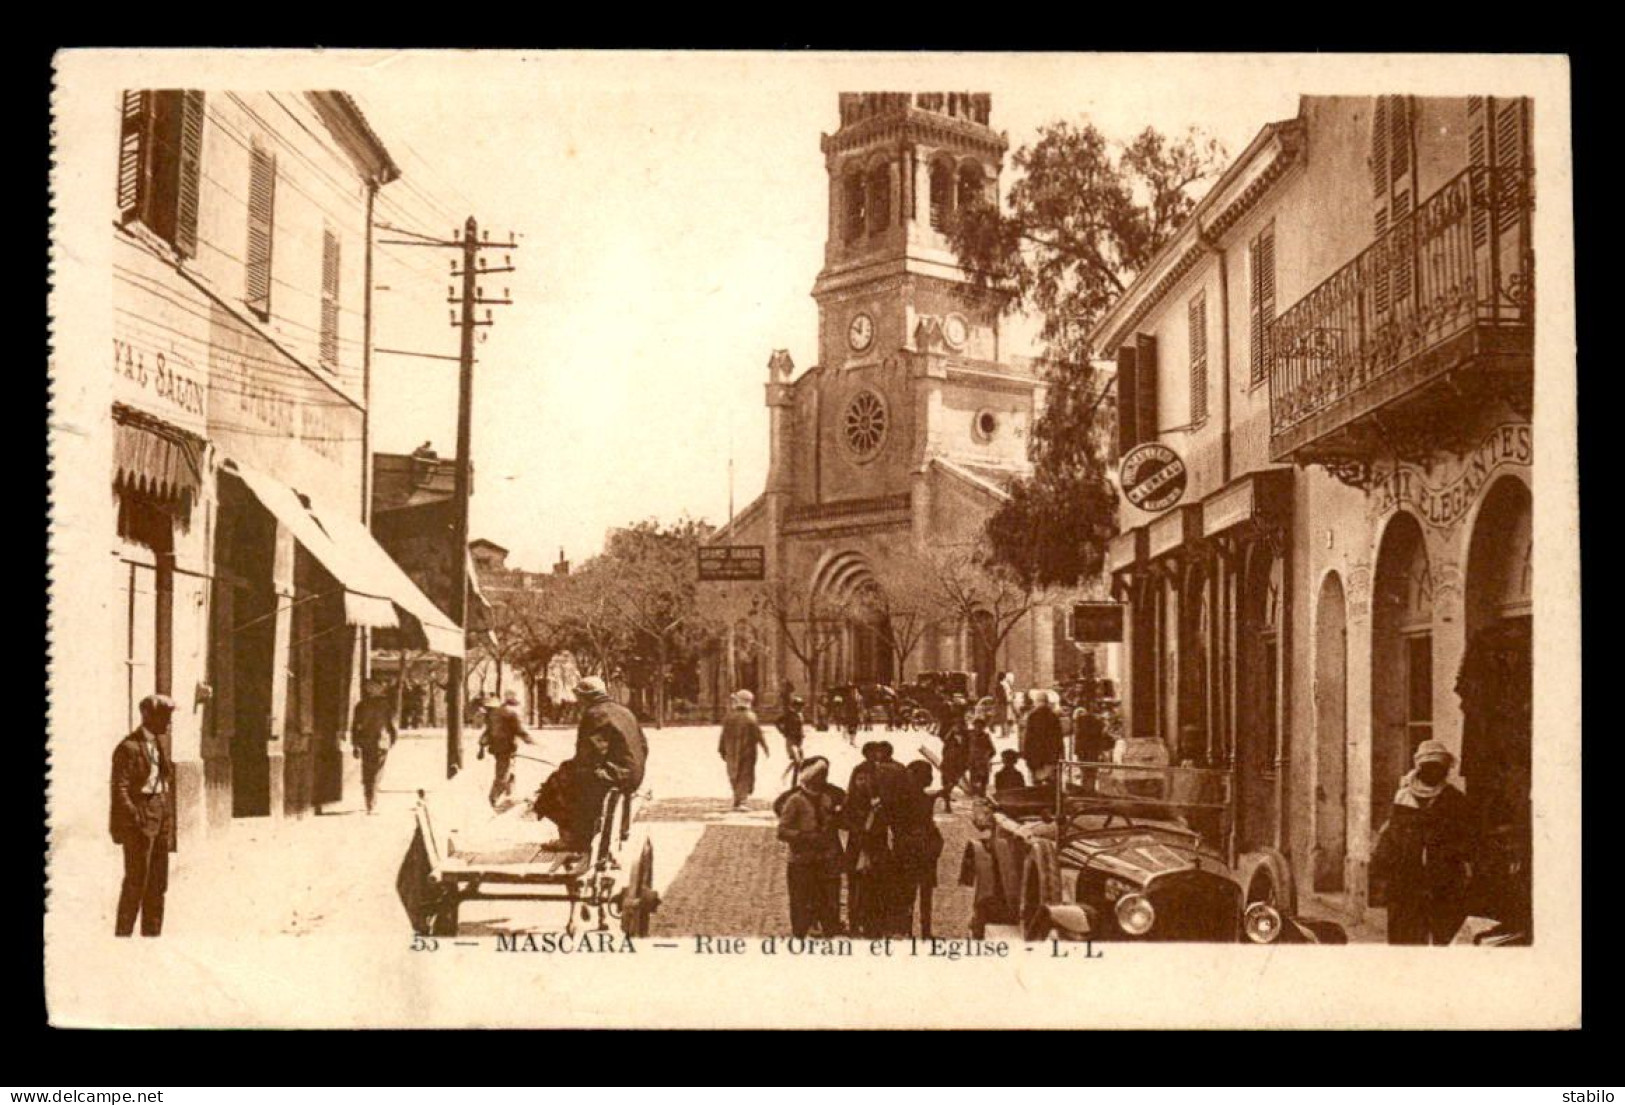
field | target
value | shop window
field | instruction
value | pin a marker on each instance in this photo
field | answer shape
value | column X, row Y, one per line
column 159, row 164
column 1418, row 688
column 261, row 228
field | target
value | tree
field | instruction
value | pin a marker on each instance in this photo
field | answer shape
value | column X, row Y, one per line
column 1084, row 219
column 909, row 594
column 805, row 618
column 987, row 596
column 655, row 594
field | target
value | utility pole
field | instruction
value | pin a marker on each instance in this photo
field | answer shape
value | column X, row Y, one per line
column 470, row 243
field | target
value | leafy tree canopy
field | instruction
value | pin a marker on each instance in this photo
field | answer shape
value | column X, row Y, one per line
column 1084, row 217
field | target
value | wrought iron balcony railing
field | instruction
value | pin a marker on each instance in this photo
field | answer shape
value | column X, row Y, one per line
column 1460, row 265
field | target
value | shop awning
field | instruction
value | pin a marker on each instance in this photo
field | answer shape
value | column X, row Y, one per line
column 153, row 456
column 377, row 592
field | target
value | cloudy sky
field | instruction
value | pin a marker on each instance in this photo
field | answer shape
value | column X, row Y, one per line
column 671, row 216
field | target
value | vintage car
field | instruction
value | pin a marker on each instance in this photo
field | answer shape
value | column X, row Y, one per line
column 1116, row 852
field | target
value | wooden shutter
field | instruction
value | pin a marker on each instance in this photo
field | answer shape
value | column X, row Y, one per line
column 1128, row 426
column 189, row 173
column 1379, row 147
column 1399, row 137
column 261, row 228
column 1198, row 354
column 1261, row 260
column 134, row 155
column 330, row 300
column 1145, row 385
column 1510, row 153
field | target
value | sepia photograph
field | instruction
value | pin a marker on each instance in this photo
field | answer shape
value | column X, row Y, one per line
column 669, row 536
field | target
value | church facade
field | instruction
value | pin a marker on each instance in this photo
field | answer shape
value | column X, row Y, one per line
column 905, row 436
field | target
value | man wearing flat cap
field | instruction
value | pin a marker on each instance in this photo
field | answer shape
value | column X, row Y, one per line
column 141, row 817
column 1425, row 852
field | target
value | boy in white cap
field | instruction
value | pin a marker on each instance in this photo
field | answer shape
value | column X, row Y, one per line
column 1425, row 852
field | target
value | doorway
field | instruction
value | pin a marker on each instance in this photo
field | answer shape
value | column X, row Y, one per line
column 1258, row 699
column 1331, row 735
column 1495, row 686
column 1401, row 663
column 245, row 548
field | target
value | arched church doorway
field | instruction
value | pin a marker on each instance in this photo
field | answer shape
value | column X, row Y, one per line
column 1401, row 662
column 1495, row 685
column 1258, row 698
column 1331, row 734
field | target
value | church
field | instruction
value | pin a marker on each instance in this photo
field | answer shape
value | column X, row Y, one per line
column 906, row 435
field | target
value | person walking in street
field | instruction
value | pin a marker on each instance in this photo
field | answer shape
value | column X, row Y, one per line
column 373, row 721
column 792, row 726
column 1041, row 738
column 1425, row 853
column 866, row 843
column 809, row 822
column 916, row 847
column 1004, row 693
column 504, row 729
column 141, row 817
column 1090, row 740
column 955, row 758
column 979, row 752
column 740, row 741
column 611, row 754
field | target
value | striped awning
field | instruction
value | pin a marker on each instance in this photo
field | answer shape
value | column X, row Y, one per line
column 155, row 458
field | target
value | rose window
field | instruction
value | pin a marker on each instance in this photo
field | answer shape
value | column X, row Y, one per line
column 865, row 424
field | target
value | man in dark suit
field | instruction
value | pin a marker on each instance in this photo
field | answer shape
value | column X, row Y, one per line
column 142, row 817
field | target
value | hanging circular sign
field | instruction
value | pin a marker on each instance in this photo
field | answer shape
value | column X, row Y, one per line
column 1152, row 476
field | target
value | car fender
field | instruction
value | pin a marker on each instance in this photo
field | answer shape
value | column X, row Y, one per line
column 1040, row 889
column 1268, row 865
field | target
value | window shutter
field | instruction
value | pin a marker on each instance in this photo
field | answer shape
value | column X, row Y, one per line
column 1399, row 137
column 261, row 228
column 1403, row 247
column 1198, row 353
column 1379, row 147
column 1478, row 155
column 1128, row 426
column 1510, row 153
column 1261, row 258
column 1145, row 385
column 134, row 162
column 330, row 300
column 1379, row 261
column 190, row 172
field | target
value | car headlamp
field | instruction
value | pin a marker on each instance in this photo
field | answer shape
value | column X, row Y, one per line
column 1262, row 923
column 1135, row 916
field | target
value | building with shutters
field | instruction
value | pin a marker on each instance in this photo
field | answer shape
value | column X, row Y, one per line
column 244, row 573
column 906, row 435
column 1338, row 346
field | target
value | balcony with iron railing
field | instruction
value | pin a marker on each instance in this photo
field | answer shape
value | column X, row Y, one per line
column 1390, row 354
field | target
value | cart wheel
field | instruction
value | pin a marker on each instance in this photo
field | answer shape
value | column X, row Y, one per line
column 640, row 900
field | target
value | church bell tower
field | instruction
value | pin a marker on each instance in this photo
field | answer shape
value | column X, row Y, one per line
column 900, row 167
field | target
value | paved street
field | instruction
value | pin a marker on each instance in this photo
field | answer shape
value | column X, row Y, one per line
column 718, row 872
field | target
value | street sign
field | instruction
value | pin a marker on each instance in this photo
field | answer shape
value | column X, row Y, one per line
column 728, row 563
column 1152, row 476
column 1095, row 623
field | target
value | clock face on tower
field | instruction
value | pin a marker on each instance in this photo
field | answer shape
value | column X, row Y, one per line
column 860, row 333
